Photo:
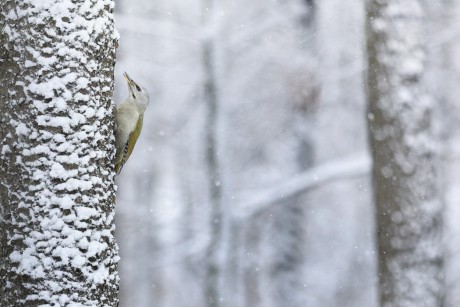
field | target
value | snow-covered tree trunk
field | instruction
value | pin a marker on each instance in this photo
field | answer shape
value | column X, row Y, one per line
column 407, row 198
column 57, row 245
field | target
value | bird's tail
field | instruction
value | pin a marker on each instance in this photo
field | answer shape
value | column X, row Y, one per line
column 119, row 161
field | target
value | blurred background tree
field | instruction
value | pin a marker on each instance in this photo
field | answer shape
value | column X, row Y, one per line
column 404, row 148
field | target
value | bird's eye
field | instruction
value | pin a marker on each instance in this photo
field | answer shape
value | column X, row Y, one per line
column 138, row 88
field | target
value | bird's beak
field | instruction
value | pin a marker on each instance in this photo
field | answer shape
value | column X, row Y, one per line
column 130, row 81
column 126, row 76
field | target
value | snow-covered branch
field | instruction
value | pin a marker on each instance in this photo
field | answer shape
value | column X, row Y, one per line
column 350, row 167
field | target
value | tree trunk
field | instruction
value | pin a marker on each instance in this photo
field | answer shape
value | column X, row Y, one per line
column 407, row 198
column 214, row 261
column 286, row 269
column 288, row 237
column 57, row 192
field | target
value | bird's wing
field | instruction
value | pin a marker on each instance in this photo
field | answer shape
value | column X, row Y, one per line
column 133, row 137
column 124, row 152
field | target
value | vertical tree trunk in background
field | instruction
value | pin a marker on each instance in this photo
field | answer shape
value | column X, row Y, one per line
column 214, row 265
column 407, row 199
column 286, row 272
column 251, row 276
column 57, row 244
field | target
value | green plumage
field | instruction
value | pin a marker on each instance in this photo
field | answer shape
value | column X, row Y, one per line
column 124, row 152
column 128, row 118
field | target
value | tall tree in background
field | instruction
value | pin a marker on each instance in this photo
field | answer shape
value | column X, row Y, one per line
column 407, row 198
column 211, row 97
column 286, row 270
column 56, row 174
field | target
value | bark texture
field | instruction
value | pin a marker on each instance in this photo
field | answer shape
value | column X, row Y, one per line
column 407, row 196
column 57, row 191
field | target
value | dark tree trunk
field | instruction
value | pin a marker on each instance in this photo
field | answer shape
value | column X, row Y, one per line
column 409, row 208
column 211, row 96
column 57, row 192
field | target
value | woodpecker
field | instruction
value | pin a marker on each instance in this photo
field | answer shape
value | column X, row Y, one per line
column 128, row 118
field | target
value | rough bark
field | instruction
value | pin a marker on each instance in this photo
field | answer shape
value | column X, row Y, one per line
column 408, row 204
column 57, row 192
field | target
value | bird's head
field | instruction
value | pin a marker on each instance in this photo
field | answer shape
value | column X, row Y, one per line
column 137, row 93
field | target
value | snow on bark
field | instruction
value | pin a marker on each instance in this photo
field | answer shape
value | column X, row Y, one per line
column 404, row 153
column 56, row 177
